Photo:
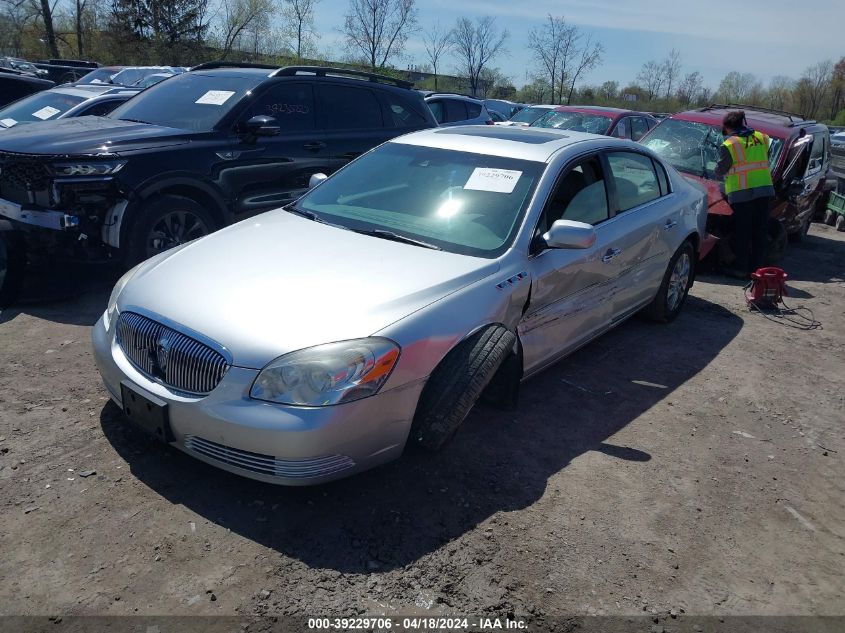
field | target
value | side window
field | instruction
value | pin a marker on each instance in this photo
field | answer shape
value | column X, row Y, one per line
column 349, row 108
column 101, row 109
column 635, row 179
column 639, row 127
column 455, row 110
column 622, row 128
column 473, row 110
column 580, row 195
column 817, row 154
column 662, row 178
column 291, row 104
column 438, row 111
column 400, row 113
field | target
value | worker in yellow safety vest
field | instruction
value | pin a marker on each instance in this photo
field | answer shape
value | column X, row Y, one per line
column 744, row 164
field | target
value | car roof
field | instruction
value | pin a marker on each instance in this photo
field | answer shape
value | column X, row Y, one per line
column 598, row 110
column 777, row 124
column 89, row 91
column 522, row 143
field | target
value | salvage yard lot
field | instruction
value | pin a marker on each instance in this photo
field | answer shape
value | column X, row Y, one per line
column 694, row 466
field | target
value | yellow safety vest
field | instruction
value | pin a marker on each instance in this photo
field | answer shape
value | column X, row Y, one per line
column 750, row 168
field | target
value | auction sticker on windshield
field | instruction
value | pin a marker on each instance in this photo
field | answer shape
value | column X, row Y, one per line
column 490, row 179
column 215, row 97
column 45, row 113
column 8, row 122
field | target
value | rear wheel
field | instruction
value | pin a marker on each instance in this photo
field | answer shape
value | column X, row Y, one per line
column 674, row 289
column 457, row 383
column 166, row 222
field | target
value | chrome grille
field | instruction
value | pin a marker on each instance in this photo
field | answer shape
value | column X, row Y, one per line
column 267, row 464
column 168, row 356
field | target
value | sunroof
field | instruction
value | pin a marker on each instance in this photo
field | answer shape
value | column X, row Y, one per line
column 506, row 133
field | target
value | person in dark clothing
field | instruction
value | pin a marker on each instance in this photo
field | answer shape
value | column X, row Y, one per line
column 744, row 164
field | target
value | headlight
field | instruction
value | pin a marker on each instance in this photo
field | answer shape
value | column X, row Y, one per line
column 327, row 374
column 112, row 312
column 99, row 168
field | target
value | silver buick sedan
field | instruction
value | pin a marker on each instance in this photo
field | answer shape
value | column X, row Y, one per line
column 320, row 339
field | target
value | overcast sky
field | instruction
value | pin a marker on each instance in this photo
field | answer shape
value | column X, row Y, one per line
column 714, row 37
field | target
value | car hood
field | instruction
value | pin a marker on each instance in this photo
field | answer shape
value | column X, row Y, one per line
column 279, row 282
column 716, row 202
column 90, row 135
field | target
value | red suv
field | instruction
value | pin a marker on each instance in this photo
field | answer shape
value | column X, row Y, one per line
column 598, row 120
column 799, row 157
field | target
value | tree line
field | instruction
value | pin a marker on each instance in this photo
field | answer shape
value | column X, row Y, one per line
column 457, row 57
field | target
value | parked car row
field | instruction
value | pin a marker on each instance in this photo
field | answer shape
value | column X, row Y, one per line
column 461, row 258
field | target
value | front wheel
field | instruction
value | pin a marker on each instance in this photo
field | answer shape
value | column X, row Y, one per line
column 457, row 383
column 166, row 222
column 12, row 264
column 672, row 295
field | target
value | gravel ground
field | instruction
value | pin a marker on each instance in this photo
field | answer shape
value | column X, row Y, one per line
column 695, row 467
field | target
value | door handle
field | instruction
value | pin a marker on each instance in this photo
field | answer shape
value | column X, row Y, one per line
column 314, row 146
column 610, row 254
column 670, row 224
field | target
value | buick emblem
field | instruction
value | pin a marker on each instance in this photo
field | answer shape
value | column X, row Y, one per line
column 160, row 355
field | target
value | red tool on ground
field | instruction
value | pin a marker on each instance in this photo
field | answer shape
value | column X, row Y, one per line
column 767, row 287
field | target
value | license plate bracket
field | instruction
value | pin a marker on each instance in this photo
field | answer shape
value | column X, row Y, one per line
column 147, row 412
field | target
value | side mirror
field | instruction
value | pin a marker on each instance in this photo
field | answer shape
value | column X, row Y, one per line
column 315, row 180
column 262, row 125
column 570, row 234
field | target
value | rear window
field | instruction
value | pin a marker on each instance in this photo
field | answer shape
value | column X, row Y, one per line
column 528, row 115
column 455, row 110
column 42, row 106
column 575, row 121
column 349, row 108
column 473, row 110
column 400, row 113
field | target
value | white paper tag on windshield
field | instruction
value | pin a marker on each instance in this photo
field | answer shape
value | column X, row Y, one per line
column 215, row 97
column 490, row 179
column 45, row 113
column 8, row 122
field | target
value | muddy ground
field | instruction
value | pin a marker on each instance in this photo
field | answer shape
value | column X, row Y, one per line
column 696, row 466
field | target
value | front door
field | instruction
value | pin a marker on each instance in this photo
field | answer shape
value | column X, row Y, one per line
column 571, row 289
column 266, row 172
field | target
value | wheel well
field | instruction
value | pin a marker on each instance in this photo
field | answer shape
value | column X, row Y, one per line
column 695, row 240
column 198, row 195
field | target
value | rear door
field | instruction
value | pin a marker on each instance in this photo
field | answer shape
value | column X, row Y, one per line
column 644, row 224
column 266, row 172
column 352, row 122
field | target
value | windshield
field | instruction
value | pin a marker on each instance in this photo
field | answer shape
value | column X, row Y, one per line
column 152, row 80
column 463, row 203
column 528, row 115
column 99, row 76
column 191, row 101
column 693, row 148
column 22, row 65
column 576, row 121
column 42, row 106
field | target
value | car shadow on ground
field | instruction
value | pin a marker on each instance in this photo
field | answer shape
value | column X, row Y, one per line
column 499, row 461
column 71, row 293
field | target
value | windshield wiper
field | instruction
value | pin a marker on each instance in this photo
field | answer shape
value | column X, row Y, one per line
column 136, row 121
column 395, row 237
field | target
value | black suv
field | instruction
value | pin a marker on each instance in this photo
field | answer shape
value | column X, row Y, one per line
column 194, row 153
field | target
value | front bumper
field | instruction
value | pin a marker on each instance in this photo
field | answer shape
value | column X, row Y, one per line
column 53, row 219
column 273, row 443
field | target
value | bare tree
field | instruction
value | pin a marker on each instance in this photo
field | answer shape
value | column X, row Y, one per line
column 690, row 87
column 609, row 90
column 780, row 92
column 671, row 70
column 590, row 57
column 237, row 18
column 815, row 85
column 552, row 46
column 298, row 16
column 437, row 42
column 378, row 29
column 837, row 88
column 651, row 78
column 476, row 44
column 736, row 87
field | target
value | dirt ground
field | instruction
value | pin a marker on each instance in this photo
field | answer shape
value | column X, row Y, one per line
column 695, row 467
